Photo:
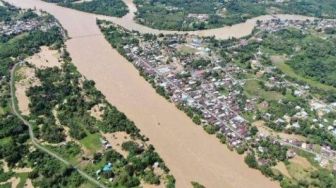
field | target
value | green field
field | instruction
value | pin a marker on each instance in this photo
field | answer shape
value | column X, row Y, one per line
column 92, row 142
column 253, row 88
column 23, row 179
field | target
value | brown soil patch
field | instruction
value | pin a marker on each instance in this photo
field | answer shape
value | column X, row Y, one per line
column 22, row 170
column 45, row 58
column 278, row 58
column 13, row 180
column 27, row 79
column 96, row 111
column 5, row 166
column 116, row 139
column 29, row 184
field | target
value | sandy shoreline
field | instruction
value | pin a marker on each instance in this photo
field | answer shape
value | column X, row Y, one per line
column 190, row 153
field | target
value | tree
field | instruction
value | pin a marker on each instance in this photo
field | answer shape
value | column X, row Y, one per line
column 251, row 161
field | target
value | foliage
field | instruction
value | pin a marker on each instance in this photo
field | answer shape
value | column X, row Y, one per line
column 175, row 14
column 197, row 185
column 210, row 129
column 315, row 59
column 251, row 161
column 106, row 7
column 52, row 172
column 12, row 139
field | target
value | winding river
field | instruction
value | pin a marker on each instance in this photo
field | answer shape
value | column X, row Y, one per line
column 237, row 30
column 190, row 153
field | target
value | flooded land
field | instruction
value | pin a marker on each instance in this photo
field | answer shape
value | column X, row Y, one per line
column 190, row 153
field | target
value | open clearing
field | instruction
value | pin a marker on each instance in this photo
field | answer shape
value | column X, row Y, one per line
column 282, row 168
column 14, row 181
column 97, row 111
column 45, row 58
column 116, row 139
column 302, row 162
column 24, row 80
column 253, row 88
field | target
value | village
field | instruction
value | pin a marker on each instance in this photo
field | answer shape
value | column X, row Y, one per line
column 24, row 24
column 190, row 74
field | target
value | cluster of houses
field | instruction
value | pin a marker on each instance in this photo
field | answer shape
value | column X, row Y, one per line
column 277, row 24
column 199, row 88
column 199, row 17
column 318, row 106
column 211, row 88
column 18, row 26
column 105, row 143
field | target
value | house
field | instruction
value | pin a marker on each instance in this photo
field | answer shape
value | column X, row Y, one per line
column 107, row 167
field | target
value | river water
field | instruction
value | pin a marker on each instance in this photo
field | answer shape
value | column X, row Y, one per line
column 190, row 153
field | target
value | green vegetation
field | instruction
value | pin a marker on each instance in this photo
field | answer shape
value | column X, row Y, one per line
column 105, row 7
column 91, row 142
column 254, row 88
column 69, row 150
column 183, row 15
column 197, row 185
column 210, row 129
column 312, row 57
column 14, row 138
column 65, row 98
column 286, row 69
column 117, row 37
column 23, row 178
column 49, row 172
column 323, row 9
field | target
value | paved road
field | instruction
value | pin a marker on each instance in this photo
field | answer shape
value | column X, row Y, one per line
column 32, row 136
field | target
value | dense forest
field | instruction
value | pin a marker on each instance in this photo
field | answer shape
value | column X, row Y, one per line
column 178, row 14
column 115, row 8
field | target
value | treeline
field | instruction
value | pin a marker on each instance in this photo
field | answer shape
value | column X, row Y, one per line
column 316, row 8
column 137, row 166
column 115, row 8
column 49, row 172
column 173, row 14
column 13, row 135
column 117, row 37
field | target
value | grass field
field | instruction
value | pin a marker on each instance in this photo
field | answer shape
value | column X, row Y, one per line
column 92, row 142
column 253, row 88
column 23, row 178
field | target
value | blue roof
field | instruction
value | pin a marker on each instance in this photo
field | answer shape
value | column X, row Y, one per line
column 107, row 167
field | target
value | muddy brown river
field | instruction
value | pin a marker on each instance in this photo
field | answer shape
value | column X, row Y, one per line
column 190, row 153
